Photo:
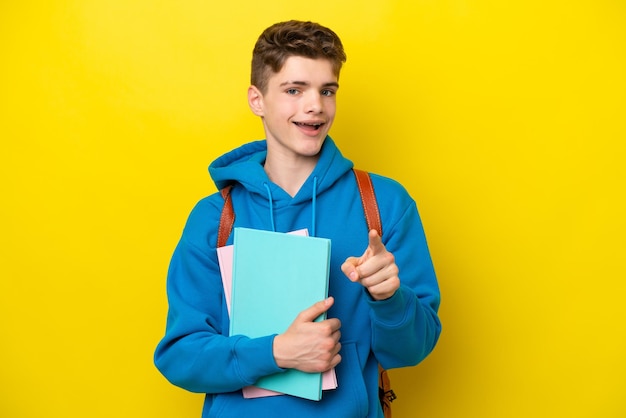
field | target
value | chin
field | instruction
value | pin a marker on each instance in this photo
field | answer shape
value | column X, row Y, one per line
column 312, row 149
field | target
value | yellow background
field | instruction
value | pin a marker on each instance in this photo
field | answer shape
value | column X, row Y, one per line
column 504, row 119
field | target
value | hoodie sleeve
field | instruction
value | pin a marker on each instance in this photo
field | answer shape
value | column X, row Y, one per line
column 405, row 327
column 196, row 352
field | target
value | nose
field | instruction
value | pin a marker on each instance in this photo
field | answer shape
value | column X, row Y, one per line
column 314, row 103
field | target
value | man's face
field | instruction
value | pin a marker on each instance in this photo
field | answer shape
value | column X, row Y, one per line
column 298, row 107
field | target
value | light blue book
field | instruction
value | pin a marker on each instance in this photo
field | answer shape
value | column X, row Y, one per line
column 275, row 277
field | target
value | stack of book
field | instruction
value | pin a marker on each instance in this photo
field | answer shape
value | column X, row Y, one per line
column 269, row 278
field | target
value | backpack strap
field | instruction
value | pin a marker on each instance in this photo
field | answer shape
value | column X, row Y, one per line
column 368, row 199
column 227, row 218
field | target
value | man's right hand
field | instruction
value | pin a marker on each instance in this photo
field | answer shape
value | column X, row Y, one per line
column 307, row 345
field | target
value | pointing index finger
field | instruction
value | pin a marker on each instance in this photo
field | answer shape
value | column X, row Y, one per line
column 376, row 242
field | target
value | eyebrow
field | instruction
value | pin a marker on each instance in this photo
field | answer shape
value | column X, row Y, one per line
column 306, row 83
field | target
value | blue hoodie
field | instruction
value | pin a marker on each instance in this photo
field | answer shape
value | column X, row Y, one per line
column 197, row 353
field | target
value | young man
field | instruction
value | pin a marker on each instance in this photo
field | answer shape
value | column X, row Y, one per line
column 383, row 293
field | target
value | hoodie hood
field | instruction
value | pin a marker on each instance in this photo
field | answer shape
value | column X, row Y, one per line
column 244, row 166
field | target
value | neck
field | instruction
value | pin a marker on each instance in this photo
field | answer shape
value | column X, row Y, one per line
column 290, row 177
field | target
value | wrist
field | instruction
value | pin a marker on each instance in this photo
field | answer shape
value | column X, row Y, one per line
column 278, row 350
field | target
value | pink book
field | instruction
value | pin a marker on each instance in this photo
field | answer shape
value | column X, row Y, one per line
column 225, row 259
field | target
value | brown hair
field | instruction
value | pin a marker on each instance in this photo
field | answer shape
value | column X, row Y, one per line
column 293, row 38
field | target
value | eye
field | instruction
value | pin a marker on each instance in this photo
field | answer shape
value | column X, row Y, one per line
column 292, row 91
column 328, row 93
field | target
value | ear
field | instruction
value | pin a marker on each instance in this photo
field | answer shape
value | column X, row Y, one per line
column 255, row 100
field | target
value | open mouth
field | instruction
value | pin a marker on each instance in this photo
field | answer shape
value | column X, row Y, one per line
column 309, row 126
